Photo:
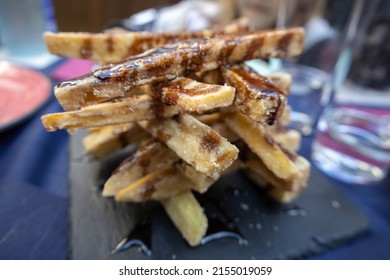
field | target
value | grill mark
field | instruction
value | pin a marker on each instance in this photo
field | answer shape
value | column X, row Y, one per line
column 114, row 99
column 144, row 162
column 284, row 42
column 253, row 46
column 129, row 161
column 141, row 43
column 200, row 89
column 257, row 81
column 146, row 41
column 162, row 136
column 149, row 189
column 226, row 51
column 193, row 57
column 86, row 49
column 136, row 47
column 158, row 108
column 117, row 71
column 210, row 141
column 110, row 44
column 278, row 110
column 146, row 67
column 267, row 90
column 178, row 59
column 171, row 93
column 170, row 96
column 269, row 139
column 138, row 154
column 280, row 129
column 274, row 112
column 291, row 155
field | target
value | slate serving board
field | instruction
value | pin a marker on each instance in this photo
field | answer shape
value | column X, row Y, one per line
column 321, row 218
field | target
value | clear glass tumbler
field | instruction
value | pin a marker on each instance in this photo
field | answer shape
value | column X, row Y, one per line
column 324, row 22
column 22, row 24
column 352, row 142
column 353, row 145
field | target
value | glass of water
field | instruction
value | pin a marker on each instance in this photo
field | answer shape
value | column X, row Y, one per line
column 352, row 142
column 324, row 22
column 22, row 24
column 353, row 145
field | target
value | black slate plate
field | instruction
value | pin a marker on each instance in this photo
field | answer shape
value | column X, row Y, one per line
column 319, row 219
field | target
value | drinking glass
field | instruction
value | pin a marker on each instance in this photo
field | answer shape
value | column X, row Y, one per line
column 324, row 22
column 22, row 24
column 352, row 141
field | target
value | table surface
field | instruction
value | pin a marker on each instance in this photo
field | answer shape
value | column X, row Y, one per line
column 34, row 196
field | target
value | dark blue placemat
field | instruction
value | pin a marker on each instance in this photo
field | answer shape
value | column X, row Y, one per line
column 33, row 190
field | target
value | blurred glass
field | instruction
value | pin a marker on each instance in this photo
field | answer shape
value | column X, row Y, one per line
column 308, row 87
column 325, row 22
column 22, row 23
column 352, row 143
column 261, row 13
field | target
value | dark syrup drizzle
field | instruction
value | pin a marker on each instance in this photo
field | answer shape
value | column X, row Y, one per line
column 218, row 230
column 140, row 236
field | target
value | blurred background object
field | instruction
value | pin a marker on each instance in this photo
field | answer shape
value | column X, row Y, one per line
column 22, row 93
column 353, row 136
column 187, row 16
column 22, row 24
column 363, row 69
column 20, row 36
column 324, row 22
column 262, row 14
column 93, row 15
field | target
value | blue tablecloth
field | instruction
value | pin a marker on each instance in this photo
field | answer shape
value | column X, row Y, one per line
column 34, row 197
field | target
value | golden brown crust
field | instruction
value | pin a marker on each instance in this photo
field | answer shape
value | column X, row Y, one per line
column 194, row 142
column 280, row 195
column 280, row 161
column 102, row 141
column 288, row 138
column 153, row 94
column 175, row 60
column 111, row 47
column 160, row 184
column 281, row 80
column 124, row 110
column 193, row 96
column 254, row 163
column 257, row 97
column 149, row 157
column 187, row 215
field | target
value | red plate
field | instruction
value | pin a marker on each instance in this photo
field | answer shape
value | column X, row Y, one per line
column 22, row 92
